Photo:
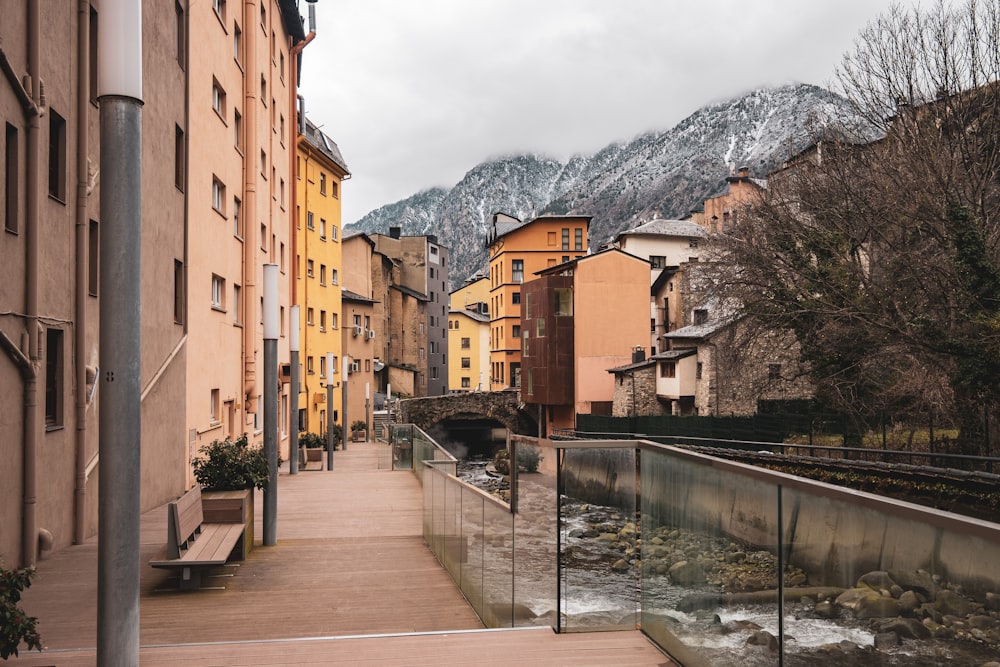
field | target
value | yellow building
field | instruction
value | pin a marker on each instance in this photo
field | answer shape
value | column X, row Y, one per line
column 469, row 336
column 320, row 170
column 517, row 250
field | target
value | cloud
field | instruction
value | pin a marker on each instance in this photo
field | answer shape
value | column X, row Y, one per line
column 416, row 94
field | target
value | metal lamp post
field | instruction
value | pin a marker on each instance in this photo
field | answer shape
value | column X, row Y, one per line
column 329, row 410
column 271, row 330
column 293, row 403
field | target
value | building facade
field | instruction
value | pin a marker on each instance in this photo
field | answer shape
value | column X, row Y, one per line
column 320, row 172
column 417, row 294
column 469, row 336
column 516, row 251
column 580, row 319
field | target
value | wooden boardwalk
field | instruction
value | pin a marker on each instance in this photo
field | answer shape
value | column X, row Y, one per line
column 350, row 582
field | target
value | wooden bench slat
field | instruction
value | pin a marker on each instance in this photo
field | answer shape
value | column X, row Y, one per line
column 215, row 543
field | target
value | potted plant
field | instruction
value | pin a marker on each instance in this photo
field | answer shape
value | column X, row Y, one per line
column 312, row 446
column 15, row 625
column 228, row 472
column 359, row 430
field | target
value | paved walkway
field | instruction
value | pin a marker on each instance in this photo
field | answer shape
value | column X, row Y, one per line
column 350, row 582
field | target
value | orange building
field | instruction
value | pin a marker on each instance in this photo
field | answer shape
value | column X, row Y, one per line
column 720, row 212
column 582, row 318
column 517, row 250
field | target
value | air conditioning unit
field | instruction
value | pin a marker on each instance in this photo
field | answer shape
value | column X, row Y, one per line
column 357, row 330
column 354, row 367
column 371, row 334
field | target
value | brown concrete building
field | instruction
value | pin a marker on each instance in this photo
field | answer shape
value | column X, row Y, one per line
column 217, row 153
column 417, row 295
column 50, row 294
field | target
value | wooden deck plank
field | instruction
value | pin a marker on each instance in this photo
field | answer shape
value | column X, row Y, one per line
column 350, row 560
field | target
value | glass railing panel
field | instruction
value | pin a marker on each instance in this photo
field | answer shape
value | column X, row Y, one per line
column 402, row 446
column 857, row 570
column 440, row 484
column 451, row 555
column 470, row 547
column 536, row 554
column 709, row 571
column 498, row 566
column 599, row 557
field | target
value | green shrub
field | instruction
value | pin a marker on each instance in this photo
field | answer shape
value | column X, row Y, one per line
column 528, row 458
column 358, row 425
column 15, row 625
column 231, row 465
column 318, row 441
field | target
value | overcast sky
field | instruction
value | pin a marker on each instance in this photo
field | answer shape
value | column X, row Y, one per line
column 418, row 93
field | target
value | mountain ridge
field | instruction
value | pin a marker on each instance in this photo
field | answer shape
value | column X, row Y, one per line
column 665, row 172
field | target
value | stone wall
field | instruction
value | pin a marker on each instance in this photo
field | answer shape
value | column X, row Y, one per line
column 643, row 391
column 501, row 406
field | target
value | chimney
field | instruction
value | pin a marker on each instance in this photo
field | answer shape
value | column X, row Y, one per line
column 744, row 172
column 638, row 354
column 394, row 232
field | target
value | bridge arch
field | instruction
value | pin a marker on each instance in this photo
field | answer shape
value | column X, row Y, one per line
column 503, row 407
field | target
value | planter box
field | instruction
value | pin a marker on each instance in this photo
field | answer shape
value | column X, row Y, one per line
column 359, row 436
column 231, row 507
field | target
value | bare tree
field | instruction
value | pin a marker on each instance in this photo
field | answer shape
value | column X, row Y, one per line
column 883, row 257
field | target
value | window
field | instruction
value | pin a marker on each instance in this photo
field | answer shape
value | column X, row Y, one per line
column 693, row 243
column 309, row 365
column 334, row 277
column 333, row 320
column 668, row 369
column 281, row 66
column 322, row 320
column 281, row 193
column 238, row 130
column 334, row 189
column 322, row 274
column 263, row 87
column 237, row 44
column 774, row 371
column 218, row 292
column 515, row 331
column 263, row 236
column 697, row 371
column 540, row 328
column 180, row 163
column 237, row 218
column 563, row 302
column 515, row 297
column 517, row 270
column 178, row 291
column 11, row 189
column 218, row 196
column 333, row 232
column 309, row 316
column 551, row 240
column 309, row 220
column 657, row 261
column 700, row 316
column 322, row 229
column 309, row 268
column 322, row 184
column 466, row 383
column 565, row 238
column 281, row 257
column 263, row 17
column 237, row 300
column 219, row 99
column 213, row 416
column 322, row 365
column 368, row 322
column 180, row 25
column 93, row 258
column 53, row 378
column 93, row 55
column 220, row 9
column 263, row 163
column 578, row 239
column 57, row 156
column 466, row 343
column 466, row 362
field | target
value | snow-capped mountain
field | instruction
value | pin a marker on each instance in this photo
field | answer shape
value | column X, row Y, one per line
column 666, row 173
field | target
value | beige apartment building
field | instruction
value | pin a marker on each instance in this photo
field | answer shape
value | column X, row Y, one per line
column 49, row 278
column 217, row 150
column 241, row 145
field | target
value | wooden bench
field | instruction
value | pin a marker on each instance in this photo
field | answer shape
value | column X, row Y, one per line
column 192, row 544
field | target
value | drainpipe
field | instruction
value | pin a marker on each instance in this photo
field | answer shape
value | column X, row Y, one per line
column 29, row 535
column 251, row 160
column 82, row 225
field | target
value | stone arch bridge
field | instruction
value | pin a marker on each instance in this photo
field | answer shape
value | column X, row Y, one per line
column 504, row 407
